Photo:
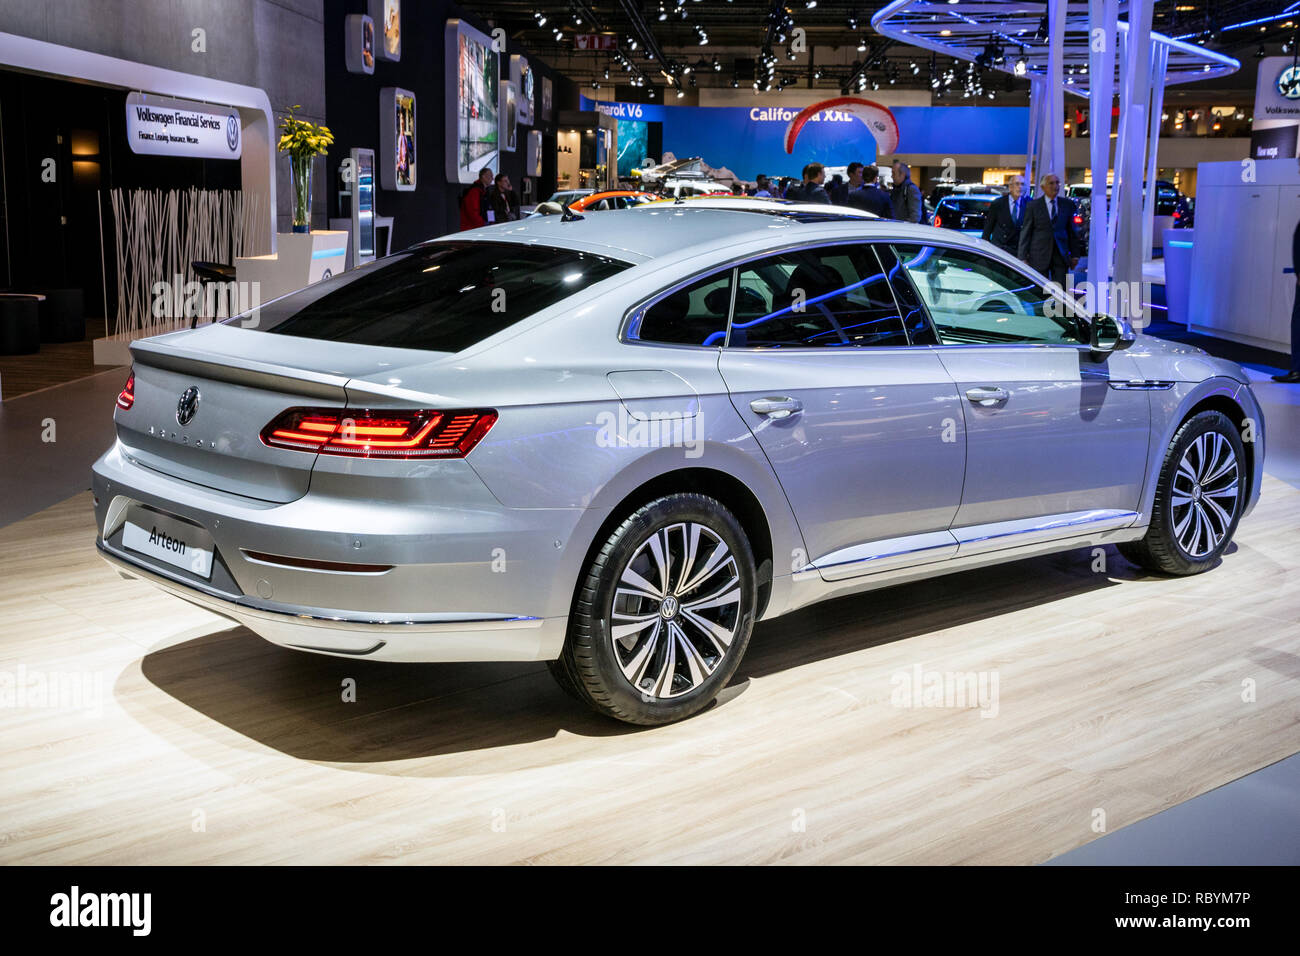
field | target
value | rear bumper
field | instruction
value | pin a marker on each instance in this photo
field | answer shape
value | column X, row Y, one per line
column 460, row 577
column 407, row 638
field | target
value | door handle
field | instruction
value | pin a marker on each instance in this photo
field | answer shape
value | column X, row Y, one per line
column 778, row 407
column 987, row 395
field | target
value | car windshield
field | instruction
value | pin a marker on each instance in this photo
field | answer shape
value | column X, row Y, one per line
column 441, row 297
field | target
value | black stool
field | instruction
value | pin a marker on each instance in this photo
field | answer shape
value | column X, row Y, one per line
column 20, row 324
column 63, row 315
column 209, row 274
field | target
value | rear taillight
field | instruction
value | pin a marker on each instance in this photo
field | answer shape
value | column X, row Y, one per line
column 1177, row 214
column 380, row 433
column 126, row 397
column 938, row 220
column 1078, row 220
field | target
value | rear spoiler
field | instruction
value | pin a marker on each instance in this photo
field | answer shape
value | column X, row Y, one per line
column 157, row 353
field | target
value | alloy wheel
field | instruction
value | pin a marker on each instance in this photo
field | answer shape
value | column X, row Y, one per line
column 676, row 610
column 1205, row 492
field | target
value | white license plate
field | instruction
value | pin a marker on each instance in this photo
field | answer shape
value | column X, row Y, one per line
column 168, row 539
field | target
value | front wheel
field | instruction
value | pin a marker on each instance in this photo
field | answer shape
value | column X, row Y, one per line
column 1199, row 498
column 664, row 612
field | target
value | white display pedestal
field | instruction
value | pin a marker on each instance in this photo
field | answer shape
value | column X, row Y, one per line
column 302, row 258
column 1241, row 282
column 1178, row 244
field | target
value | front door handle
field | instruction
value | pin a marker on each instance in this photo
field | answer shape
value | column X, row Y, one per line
column 776, row 407
column 987, row 395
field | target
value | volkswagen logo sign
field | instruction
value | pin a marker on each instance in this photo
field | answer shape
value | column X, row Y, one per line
column 232, row 132
column 1288, row 83
column 187, row 406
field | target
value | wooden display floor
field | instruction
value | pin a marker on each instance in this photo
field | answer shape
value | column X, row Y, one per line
column 1117, row 694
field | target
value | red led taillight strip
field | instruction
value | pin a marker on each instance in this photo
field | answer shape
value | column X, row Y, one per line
column 421, row 433
column 126, row 397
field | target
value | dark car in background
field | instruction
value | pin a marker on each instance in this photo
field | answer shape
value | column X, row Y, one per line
column 963, row 213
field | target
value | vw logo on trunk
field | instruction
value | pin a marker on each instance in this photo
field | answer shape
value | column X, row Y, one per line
column 187, row 406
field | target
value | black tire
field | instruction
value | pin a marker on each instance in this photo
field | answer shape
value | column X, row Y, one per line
column 591, row 666
column 1162, row 549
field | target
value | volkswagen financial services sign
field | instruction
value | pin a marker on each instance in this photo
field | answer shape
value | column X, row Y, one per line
column 1275, row 131
column 156, row 126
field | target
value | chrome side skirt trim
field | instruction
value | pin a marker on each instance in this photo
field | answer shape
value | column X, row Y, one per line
column 809, row 587
column 889, row 553
column 1010, row 534
column 910, row 551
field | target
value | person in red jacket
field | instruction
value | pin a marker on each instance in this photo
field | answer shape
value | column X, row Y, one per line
column 474, row 203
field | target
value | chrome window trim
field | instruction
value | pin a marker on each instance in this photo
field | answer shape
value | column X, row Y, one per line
column 633, row 314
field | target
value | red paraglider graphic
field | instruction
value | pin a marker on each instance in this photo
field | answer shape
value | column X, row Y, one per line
column 877, row 118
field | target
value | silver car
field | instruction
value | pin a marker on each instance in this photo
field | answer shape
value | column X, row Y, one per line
column 616, row 442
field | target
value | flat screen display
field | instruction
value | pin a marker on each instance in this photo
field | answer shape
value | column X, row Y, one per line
column 474, row 102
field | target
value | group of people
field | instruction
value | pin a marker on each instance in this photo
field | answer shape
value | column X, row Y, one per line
column 862, row 190
column 1040, row 232
column 488, row 199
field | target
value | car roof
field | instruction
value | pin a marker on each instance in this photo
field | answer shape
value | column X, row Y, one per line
column 655, row 230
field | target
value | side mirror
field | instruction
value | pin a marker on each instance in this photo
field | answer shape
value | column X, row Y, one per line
column 1110, row 333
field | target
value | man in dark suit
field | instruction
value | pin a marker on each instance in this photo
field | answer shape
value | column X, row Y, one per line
column 1292, row 377
column 811, row 189
column 1049, row 242
column 1005, row 216
column 868, row 195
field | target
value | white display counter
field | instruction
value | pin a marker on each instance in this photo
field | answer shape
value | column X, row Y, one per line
column 301, row 258
column 1242, row 286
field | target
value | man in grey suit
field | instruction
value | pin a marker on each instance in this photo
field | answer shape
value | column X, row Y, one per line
column 1049, row 241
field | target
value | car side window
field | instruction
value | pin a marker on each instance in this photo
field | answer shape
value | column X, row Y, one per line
column 975, row 299
column 829, row 296
column 694, row 314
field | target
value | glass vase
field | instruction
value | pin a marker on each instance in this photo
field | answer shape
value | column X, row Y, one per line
column 300, row 186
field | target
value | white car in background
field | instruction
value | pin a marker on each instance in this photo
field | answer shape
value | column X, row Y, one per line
column 672, row 188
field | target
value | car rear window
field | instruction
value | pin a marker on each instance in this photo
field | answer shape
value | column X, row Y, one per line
column 441, row 297
column 970, row 205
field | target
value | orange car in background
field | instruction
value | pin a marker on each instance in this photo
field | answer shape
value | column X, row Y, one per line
column 612, row 199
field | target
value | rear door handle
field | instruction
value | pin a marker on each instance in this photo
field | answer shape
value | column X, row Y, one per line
column 776, row 407
column 987, row 395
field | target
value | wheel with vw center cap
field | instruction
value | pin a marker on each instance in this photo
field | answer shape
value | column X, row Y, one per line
column 1199, row 498
column 663, row 614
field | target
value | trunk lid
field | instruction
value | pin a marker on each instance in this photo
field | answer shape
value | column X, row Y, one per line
column 244, row 379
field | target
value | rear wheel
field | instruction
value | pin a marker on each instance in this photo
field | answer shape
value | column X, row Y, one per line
column 664, row 612
column 1198, row 499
